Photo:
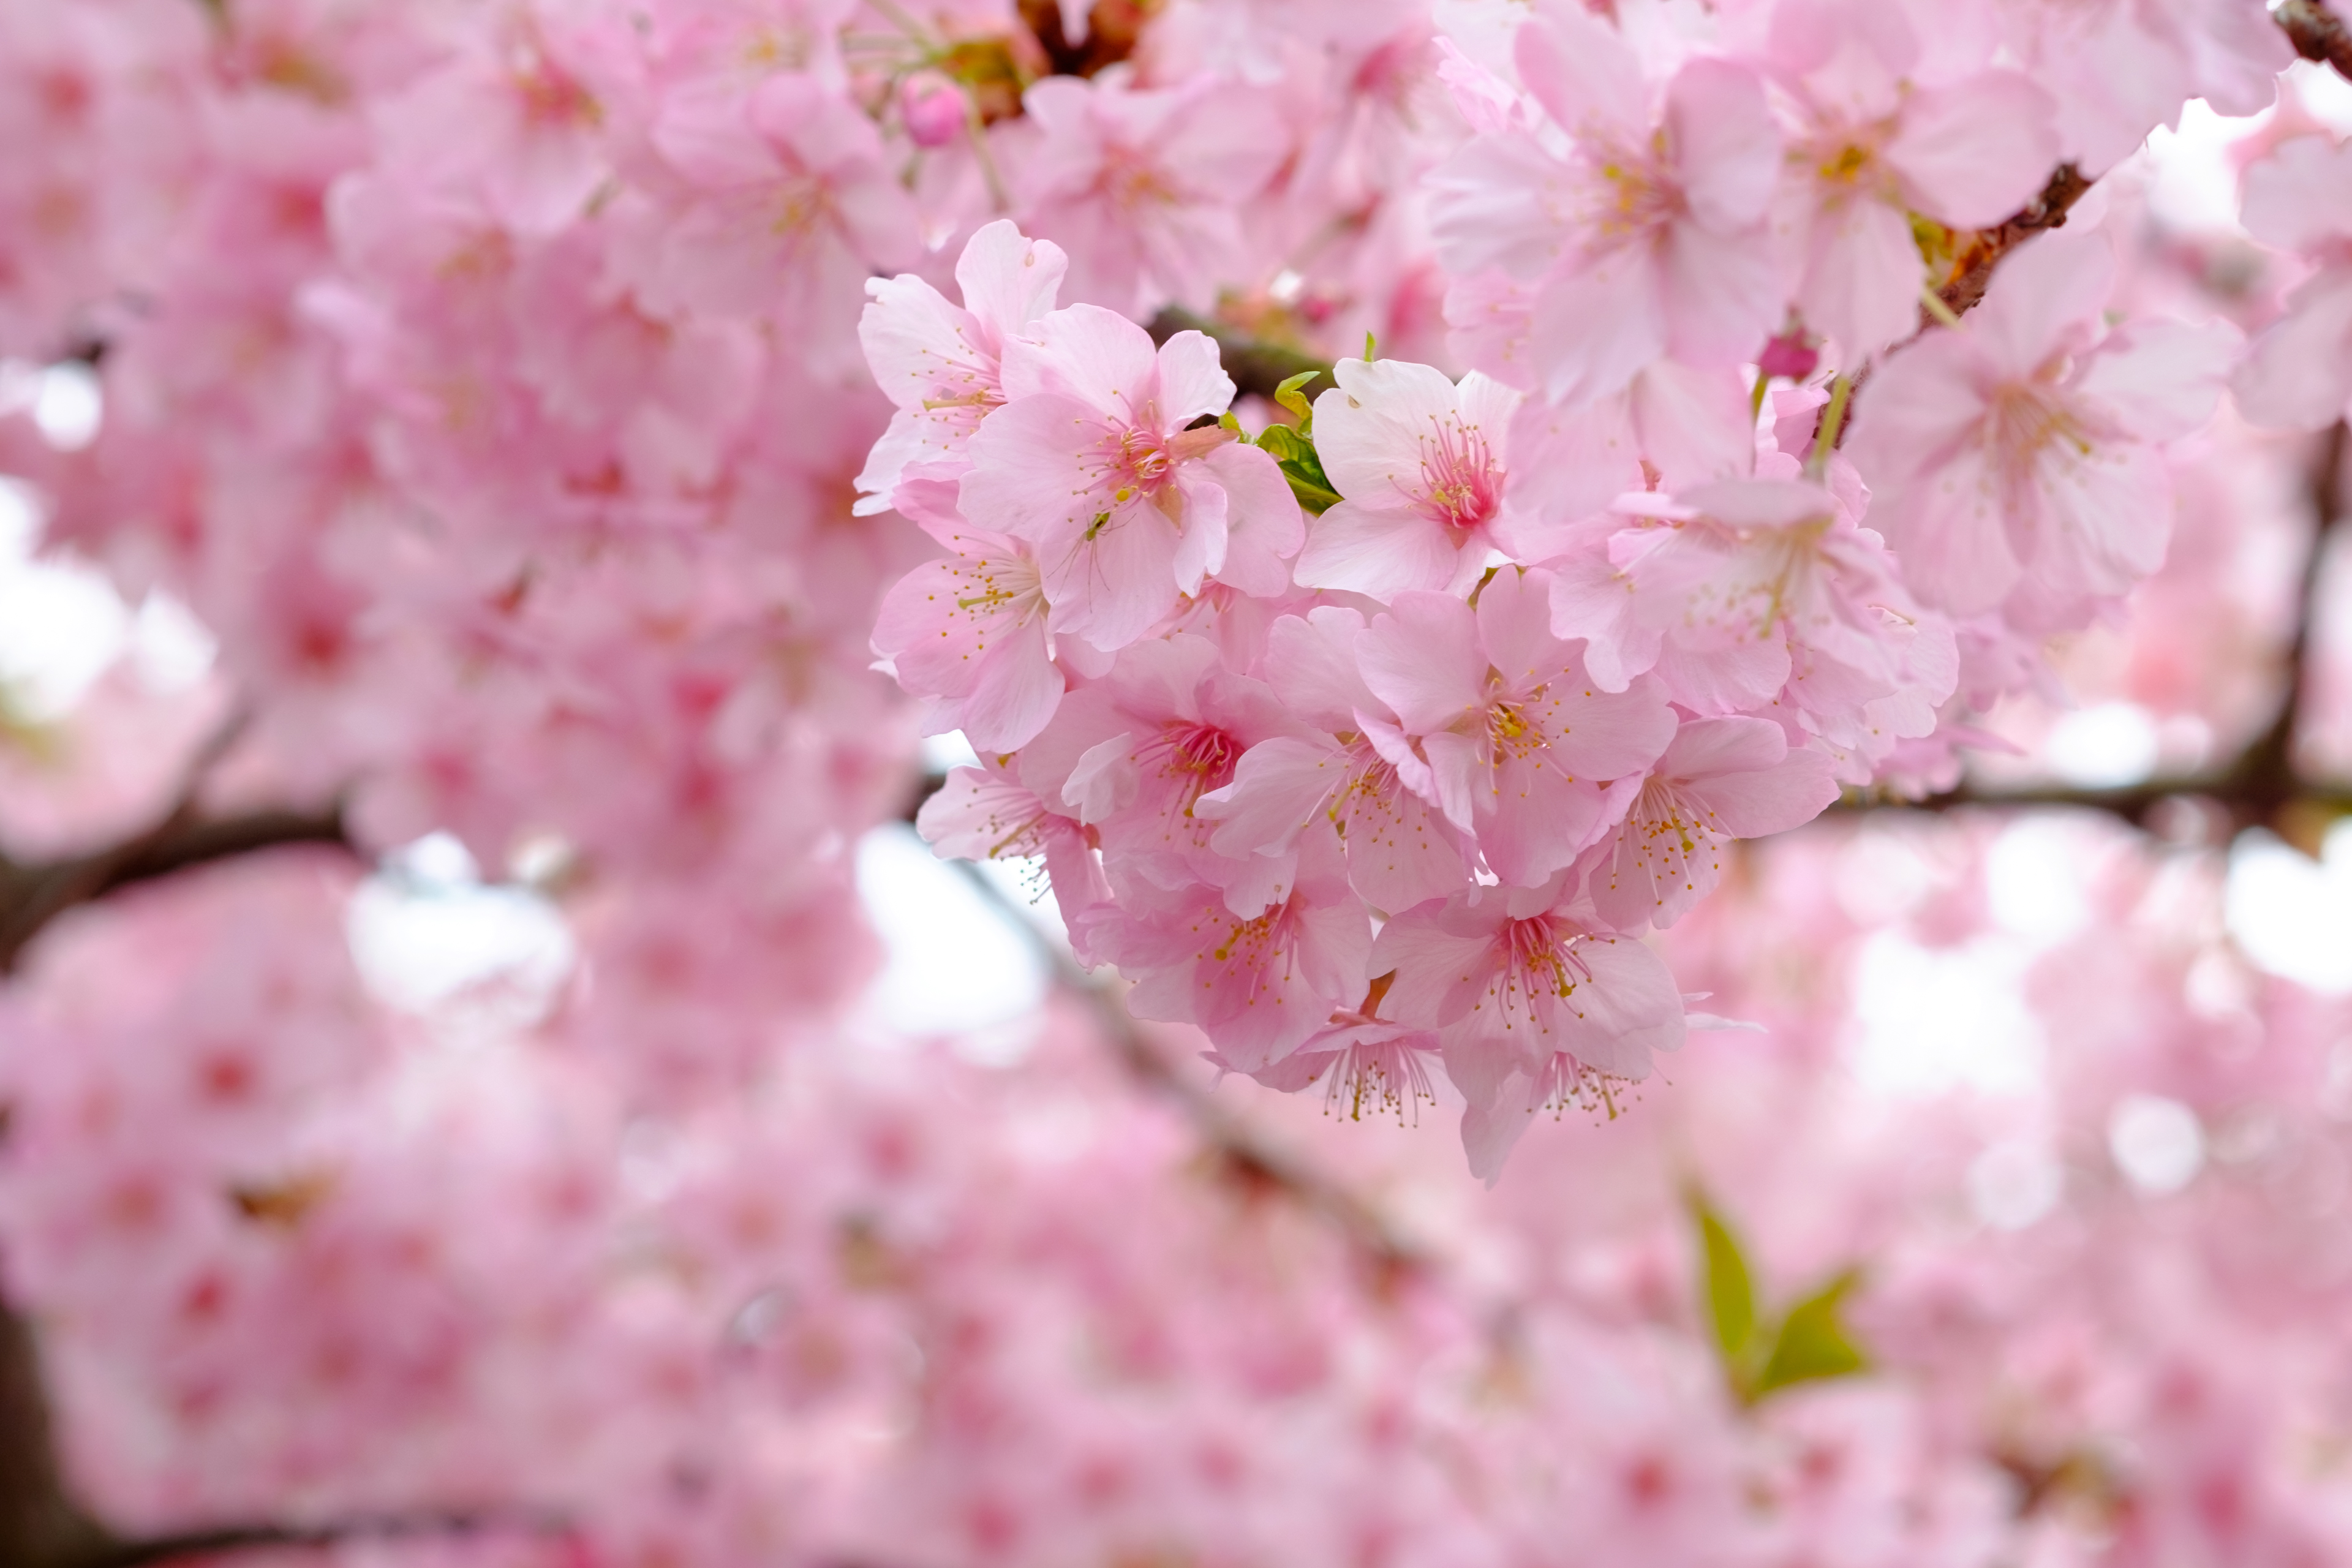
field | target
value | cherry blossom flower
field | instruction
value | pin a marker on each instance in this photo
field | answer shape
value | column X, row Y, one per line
column 1721, row 779
column 1420, row 463
column 941, row 365
column 1629, row 230
column 1143, row 185
column 1520, row 746
column 1336, row 782
column 1095, row 460
column 1533, row 1001
column 1873, row 145
column 2014, row 459
column 2298, row 372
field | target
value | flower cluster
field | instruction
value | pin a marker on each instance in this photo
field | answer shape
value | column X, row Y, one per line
column 1510, row 734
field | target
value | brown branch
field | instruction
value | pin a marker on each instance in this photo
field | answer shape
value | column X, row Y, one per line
column 196, row 1543
column 2262, row 786
column 1976, row 254
column 1256, row 366
column 1245, row 1152
column 2317, row 33
column 32, row 896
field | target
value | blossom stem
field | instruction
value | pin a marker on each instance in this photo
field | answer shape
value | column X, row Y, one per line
column 1825, row 438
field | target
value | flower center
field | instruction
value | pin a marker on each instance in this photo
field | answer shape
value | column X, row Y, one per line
column 1457, row 478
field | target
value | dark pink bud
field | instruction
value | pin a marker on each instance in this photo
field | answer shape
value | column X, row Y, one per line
column 933, row 108
column 1790, row 356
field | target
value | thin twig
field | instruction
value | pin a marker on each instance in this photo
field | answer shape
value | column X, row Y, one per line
column 1256, row 366
column 2262, row 785
column 2317, row 33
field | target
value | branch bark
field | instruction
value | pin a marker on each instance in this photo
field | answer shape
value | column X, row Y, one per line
column 1256, row 366
column 2264, row 786
column 2317, row 33
column 33, row 895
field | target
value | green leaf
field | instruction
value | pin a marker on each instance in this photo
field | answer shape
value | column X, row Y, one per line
column 1313, row 495
column 1812, row 1344
column 1371, row 348
column 1289, row 396
column 1730, row 1293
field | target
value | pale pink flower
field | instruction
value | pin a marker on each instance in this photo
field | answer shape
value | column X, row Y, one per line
column 1335, row 783
column 2298, row 372
column 1363, row 1064
column 1131, row 754
column 1740, row 589
column 1260, row 984
column 1519, row 745
column 1628, row 227
column 1721, row 779
column 941, row 365
column 782, row 205
column 2016, row 456
column 1144, row 186
column 987, row 814
column 1419, row 463
column 1095, row 462
column 2117, row 69
column 1873, row 147
column 1530, row 999
column 968, row 631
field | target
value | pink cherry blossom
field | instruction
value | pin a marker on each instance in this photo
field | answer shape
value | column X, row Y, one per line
column 2298, row 372
column 1721, row 779
column 1533, row 1002
column 1420, row 463
column 1871, row 146
column 1260, row 984
column 2015, row 459
column 1336, row 782
column 1093, row 461
column 941, row 365
column 1644, row 236
column 1522, row 748
column 1142, row 184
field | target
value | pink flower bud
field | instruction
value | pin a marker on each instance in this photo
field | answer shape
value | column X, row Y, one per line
column 1790, row 356
column 933, row 107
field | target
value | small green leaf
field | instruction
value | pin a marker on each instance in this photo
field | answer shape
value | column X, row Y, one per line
column 1289, row 396
column 1812, row 1344
column 1371, row 348
column 1730, row 1293
column 1312, row 497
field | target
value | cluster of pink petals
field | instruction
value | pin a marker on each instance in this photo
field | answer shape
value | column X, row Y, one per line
column 533, row 400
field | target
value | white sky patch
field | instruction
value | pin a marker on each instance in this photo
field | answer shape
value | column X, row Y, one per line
column 2290, row 915
column 2105, row 747
column 2157, row 1143
column 941, row 752
column 430, row 938
column 2191, row 184
column 67, row 405
column 1929, row 1021
column 170, row 650
column 2034, row 881
column 61, row 623
column 957, row 966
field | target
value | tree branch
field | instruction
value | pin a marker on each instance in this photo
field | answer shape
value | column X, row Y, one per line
column 2262, row 785
column 1977, row 254
column 33, row 895
column 1256, row 366
column 2317, row 33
